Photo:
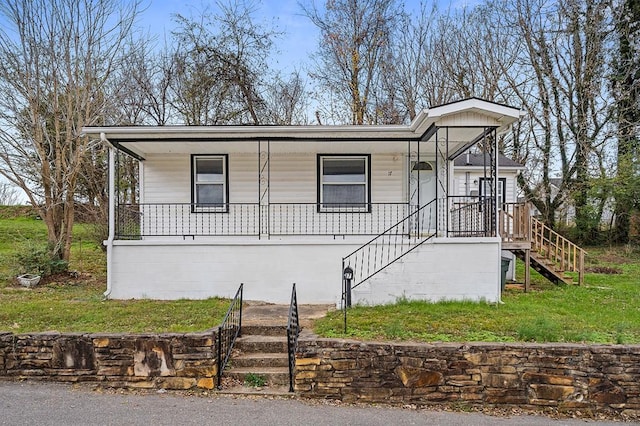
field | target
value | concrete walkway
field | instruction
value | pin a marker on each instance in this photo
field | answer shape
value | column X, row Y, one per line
column 270, row 314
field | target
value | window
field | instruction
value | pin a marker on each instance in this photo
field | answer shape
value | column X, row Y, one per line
column 485, row 189
column 344, row 183
column 210, row 183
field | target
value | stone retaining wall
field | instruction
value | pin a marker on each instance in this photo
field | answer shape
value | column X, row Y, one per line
column 168, row 361
column 564, row 376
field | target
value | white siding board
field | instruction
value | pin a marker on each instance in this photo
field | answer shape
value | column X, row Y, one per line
column 167, row 179
column 468, row 119
column 243, row 178
column 387, row 179
column 293, row 178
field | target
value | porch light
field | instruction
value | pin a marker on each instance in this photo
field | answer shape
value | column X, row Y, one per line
column 422, row 166
column 347, row 274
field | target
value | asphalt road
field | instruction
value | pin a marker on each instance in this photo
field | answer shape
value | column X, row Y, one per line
column 30, row 403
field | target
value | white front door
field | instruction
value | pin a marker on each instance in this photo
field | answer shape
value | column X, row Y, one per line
column 423, row 194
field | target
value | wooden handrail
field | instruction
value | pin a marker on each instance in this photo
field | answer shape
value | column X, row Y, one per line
column 515, row 222
column 567, row 255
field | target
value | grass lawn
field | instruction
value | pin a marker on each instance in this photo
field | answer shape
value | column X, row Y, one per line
column 605, row 310
column 75, row 304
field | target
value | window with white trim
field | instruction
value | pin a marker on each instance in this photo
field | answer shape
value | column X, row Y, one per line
column 344, row 183
column 210, row 183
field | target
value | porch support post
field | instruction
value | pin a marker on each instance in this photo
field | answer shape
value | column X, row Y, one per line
column 112, row 213
column 494, row 160
column 527, row 270
column 264, row 183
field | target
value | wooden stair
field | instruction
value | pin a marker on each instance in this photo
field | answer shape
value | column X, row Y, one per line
column 544, row 267
column 540, row 247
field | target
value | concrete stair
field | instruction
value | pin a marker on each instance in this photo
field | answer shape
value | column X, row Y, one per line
column 260, row 351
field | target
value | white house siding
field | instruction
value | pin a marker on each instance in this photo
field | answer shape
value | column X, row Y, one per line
column 289, row 177
column 467, row 119
column 201, row 269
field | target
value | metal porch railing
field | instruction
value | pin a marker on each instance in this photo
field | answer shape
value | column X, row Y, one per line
column 187, row 220
column 471, row 216
column 228, row 331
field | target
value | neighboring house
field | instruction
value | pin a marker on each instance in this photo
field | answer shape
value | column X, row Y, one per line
column 565, row 214
column 470, row 179
column 269, row 206
column 469, row 176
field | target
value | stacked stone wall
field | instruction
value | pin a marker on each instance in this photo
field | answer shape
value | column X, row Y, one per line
column 169, row 361
column 563, row 376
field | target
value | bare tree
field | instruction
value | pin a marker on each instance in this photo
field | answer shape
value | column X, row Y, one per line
column 558, row 78
column 355, row 40
column 286, row 100
column 417, row 81
column 56, row 58
column 8, row 194
column 221, row 65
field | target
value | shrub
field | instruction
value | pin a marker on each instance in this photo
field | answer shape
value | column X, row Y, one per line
column 35, row 258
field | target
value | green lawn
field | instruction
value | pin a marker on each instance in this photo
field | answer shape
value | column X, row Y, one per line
column 70, row 304
column 605, row 310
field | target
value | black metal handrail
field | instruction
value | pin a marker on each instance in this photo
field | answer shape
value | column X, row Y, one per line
column 385, row 249
column 228, row 331
column 135, row 221
column 333, row 219
column 293, row 331
column 471, row 216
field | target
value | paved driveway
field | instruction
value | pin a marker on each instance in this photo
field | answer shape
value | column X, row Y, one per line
column 31, row 403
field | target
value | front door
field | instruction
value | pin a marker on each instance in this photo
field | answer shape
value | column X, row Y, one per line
column 423, row 192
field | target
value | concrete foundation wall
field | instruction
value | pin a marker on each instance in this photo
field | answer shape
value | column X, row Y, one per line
column 446, row 269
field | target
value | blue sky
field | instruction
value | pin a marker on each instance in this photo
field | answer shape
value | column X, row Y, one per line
column 301, row 36
column 299, row 40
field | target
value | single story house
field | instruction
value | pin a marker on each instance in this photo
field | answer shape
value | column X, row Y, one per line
column 269, row 206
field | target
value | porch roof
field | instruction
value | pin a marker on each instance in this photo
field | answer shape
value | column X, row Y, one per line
column 465, row 120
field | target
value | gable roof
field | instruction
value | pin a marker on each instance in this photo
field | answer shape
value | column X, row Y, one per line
column 479, row 160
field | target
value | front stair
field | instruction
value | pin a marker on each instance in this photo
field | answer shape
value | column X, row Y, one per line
column 261, row 352
column 261, row 348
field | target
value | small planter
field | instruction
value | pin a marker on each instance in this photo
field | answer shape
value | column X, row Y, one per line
column 28, row 280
